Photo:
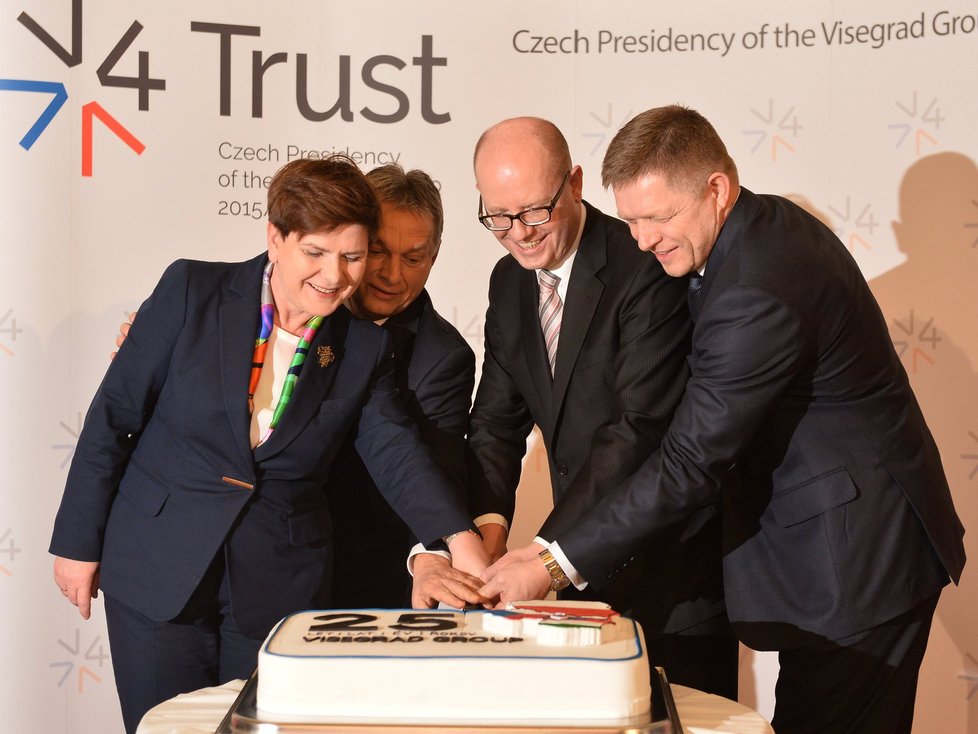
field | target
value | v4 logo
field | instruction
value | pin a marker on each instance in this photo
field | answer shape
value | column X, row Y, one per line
column 72, row 56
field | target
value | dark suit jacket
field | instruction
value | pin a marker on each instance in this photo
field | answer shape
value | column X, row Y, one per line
column 840, row 517
column 164, row 475
column 620, row 371
column 434, row 369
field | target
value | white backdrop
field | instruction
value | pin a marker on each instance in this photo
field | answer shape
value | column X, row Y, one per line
column 125, row 146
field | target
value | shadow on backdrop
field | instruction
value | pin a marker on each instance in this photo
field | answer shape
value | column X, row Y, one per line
column 930, row 303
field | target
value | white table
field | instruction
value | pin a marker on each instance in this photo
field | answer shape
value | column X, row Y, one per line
column 201, row 711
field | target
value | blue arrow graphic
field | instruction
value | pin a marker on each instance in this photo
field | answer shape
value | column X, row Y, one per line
column 60, row 97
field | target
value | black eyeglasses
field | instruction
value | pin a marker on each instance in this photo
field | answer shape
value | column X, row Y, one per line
column 531, row 217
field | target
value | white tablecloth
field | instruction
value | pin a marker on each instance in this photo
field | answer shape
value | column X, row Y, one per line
column 201, row 711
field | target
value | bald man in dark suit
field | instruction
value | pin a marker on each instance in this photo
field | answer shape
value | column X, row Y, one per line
column 602, row 387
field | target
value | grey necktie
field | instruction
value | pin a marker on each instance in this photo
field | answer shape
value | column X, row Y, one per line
column 693, row 296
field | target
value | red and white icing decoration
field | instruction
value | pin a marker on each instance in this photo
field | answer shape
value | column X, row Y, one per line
column 554, row 624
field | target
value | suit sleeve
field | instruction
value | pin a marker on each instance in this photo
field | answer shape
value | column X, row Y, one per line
column 649, row 373
column 118, row 413
column 498, row 427
column 444, row 395
column 748, row 347
column 401, row 465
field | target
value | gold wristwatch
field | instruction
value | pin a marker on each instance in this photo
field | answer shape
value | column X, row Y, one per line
column 558, row 579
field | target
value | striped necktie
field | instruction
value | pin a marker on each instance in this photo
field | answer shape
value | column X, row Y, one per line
column 550, row 311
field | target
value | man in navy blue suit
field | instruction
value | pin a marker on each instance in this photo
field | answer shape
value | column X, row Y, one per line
column 839, row 529
column 434, row 369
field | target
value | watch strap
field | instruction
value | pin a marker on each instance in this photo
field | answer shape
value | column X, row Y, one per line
column 558, row 579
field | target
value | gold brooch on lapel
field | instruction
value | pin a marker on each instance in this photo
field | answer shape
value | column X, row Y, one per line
column 325, row 355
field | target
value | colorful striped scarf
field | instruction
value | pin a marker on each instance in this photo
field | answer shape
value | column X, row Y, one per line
column 261, row 347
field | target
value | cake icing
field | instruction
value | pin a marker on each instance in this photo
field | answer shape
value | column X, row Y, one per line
column 553, row 624
column 534, row 662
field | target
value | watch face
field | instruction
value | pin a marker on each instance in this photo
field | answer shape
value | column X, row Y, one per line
column 559, row 584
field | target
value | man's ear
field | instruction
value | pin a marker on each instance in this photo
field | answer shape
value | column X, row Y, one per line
column 576, row 182
column 720, row 186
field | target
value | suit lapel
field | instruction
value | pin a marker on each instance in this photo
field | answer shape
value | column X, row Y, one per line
column 412, row 353
column 584, row 291
column 239, row 320
column 314, row 383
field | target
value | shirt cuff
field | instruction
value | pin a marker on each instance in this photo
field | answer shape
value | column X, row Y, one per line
column 491, row 517
column 566, row 566
column 418, row 549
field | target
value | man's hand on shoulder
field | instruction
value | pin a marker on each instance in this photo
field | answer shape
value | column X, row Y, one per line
column 123, row 333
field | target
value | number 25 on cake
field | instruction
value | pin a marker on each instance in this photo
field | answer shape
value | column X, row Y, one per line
column 535, row 662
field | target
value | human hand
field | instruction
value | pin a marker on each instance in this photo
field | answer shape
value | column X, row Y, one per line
column 468, row 553
column 527, row 553
column 78, row 581
column 494, row 539
column 436, row 581
column 123, row 332
column 518, row 576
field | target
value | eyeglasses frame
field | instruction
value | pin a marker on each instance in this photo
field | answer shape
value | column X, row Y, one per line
column 549, row 208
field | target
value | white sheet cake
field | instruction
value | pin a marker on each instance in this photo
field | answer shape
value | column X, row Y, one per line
column 536, row 662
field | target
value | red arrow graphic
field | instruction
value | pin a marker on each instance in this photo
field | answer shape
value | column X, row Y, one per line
column 94, row 109
column 924, row 134
column 774, row 146
column 82, row 672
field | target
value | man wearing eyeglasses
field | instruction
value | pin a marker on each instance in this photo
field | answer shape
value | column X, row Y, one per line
column 587, row 338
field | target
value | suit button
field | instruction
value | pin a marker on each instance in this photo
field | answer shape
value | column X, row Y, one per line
column 562, row 470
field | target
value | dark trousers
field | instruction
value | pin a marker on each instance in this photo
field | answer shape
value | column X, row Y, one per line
column 701, row 659
column 863, row 684
column 154, row 661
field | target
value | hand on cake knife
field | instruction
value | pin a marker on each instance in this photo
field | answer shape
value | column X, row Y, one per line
column 520, row 575
column 436, row 581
